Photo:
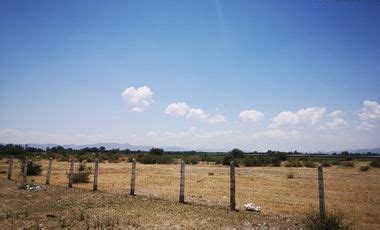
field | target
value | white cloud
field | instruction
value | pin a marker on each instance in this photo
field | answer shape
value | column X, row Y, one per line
column 197, row 114
column 177, row 109
column 138, row 99
column 251, row 116
column 181, row 109
column 309, row 115
column 364, row 125
column 284, row 118
column 312, row 115
column 337, row 122
column 216, row 119
column 369, row 113
column 336, row 114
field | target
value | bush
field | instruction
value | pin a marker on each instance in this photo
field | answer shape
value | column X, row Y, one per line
column 309, row 164
column 114, row 160
column 237, row 153
column 290, row 175
column 227, row 159
column 81, row 177
column 157, row 151
column 191, row 160
column 276, row 162
column 375, row 163
column 293, row 164
column 154, row 159
column 326, row 164
column 364, row 168
column 348, row 164
column 336, row 162
column 33, row 168
column 251, row 161
column 331, row 221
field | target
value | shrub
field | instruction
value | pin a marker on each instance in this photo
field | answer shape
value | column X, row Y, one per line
column 336, row 162
column 364, row 168
column 114, row 160
column 348, row 164
column 81, row 177
column 331, row 221
column 33, row 168
column 154, row 159
column 218, row 162
column 237, row 153
column 375, row 163
column 251, row 161
column 293, row 164
column 276, row 162
column 227, row 159
column 82, row 166
column 191, row 159
column 326, row 164
column 290, row 175
column 309, row 164
column 156, row 151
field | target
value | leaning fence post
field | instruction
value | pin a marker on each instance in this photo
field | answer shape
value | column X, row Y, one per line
column 10, row 168
column 321, row 188
column 71, row 173
column 133, row 177
column 232, row 186
column 49, row 171
column 96, row 174
column 182, row 183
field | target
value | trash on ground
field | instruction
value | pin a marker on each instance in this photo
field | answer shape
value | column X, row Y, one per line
column 252, row 207
column 33, row 187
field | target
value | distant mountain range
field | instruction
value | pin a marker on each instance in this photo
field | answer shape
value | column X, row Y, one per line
column 120, row 146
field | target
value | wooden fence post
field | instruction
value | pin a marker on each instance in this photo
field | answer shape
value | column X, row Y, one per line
column 96, row 174
column 25, row 172
column 49, row 171
column 71, row 173
column 182, row 183
column 133, row 177
column 10, row 168
column 321, row 188
column 232, row 186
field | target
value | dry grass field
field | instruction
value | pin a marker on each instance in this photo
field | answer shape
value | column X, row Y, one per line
column 284, row 201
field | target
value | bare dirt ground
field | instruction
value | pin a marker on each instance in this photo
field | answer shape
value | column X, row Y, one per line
column 284, row 202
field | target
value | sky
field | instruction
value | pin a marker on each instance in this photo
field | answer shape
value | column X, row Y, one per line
column 205, row 74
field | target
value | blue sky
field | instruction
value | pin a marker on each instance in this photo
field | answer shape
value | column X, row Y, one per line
column 255, row 75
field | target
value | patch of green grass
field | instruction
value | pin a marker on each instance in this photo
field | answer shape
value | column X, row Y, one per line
column 331, row 221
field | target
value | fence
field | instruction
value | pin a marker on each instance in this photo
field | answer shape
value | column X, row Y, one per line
column 182, row 180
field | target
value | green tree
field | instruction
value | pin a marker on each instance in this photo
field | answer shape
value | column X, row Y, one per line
column 157, row 151
column 237, row 153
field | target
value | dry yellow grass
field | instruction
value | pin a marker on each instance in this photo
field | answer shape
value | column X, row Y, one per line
column 354, row 194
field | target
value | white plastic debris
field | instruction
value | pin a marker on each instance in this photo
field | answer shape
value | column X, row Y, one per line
column 252, row 207
column 33, row 187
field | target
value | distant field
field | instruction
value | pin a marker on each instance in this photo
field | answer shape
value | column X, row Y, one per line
column 354, row 194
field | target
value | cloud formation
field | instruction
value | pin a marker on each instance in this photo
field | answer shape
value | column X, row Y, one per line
column 138, row 99
column 369, row 113
column 251, row 116
column 181, row 109
column 303, row 116
column 216, row 119
column 337, row 122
